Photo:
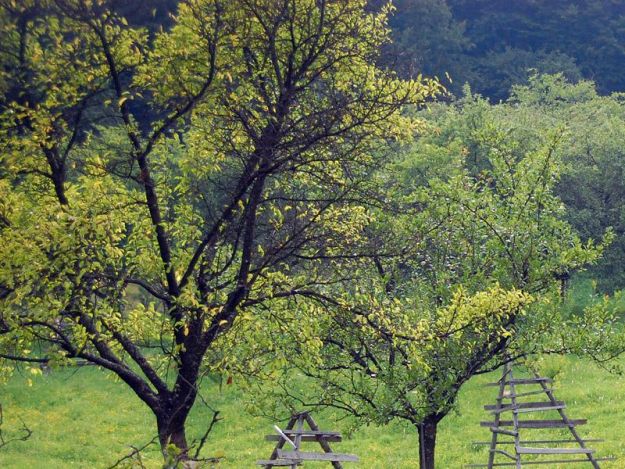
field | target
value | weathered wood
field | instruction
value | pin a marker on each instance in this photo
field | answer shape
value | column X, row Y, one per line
column 541, row 409
column 536, row 442
column 295, row 431
column 515, row 417
column 526, row 411
column 521, row 381
column 538, row 423
column 298, row 437
column 503, row 431
column 523, row 394
column 495, row 430
column 276, row 462
column 505, row 453
column 524, row 447
column 281, row 441
column 526, row 450
column 591, row 458
column 523, row 405
column 309, row 456
column 533, row 463
column 305, row 437
column 310, row 432
column 323, row 443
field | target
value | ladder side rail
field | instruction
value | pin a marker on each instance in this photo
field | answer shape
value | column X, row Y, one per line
column 565, row 418
column 500, row 397
column 515, row 419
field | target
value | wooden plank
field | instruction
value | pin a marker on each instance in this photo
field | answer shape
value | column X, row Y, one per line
column 277, row 462
column 526, row 450
column 507, row 369
column 332, row 438
column 525, row 411
column 309, row 456
column 537, row 442
column 323, row 443
column 527, row 463
column 505, row 453
column 523, row 405
column 310, row 433
column 537, row 423
column 522, row 381
column 541, row 409
column 281, row 441
column 515, row 418
column 574, row 433
column 523, row 394
column 503, row 431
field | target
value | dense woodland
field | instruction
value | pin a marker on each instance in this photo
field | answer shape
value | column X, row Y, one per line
column 382, row 201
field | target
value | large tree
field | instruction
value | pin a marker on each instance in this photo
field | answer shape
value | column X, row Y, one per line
column 260, row 121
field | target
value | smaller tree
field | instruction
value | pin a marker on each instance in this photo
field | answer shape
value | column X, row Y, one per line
column 475, row 285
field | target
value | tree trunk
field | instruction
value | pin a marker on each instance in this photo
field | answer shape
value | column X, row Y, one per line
column 427, row 441
column 171, row 432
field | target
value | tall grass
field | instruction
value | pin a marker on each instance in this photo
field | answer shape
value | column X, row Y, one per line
column 83, row 419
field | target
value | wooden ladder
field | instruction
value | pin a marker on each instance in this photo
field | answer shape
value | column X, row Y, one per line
column 508, row 401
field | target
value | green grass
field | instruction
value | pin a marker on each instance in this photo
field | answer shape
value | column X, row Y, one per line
column 82, row 419
column 583, row 292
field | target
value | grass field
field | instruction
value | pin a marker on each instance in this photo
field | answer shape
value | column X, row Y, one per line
column 82, row 419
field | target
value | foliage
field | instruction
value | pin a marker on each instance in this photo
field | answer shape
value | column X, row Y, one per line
column 266, row 120
column 478, row 283
column 492, row 44
column 591, row 184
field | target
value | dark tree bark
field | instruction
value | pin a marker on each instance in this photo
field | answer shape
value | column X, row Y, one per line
column 427, row 441
column 171, row 430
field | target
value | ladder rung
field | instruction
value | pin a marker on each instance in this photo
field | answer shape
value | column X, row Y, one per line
column 523, row 405
column 522, row 409
column 537, row 423
column 526, row 450
column 538, row 442
column 505, row 453
column 502, row 430
column 527, row 463
column 542, row 409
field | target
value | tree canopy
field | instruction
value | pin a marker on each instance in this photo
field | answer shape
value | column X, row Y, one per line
column 479, row 281
column 211, row 166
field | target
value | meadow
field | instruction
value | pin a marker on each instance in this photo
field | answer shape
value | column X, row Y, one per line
column 82, row 419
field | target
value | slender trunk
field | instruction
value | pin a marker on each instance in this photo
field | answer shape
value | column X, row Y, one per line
column 427, row 441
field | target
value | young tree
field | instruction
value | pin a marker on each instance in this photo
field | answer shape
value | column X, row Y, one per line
column 264, row 119
column 477, row 283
